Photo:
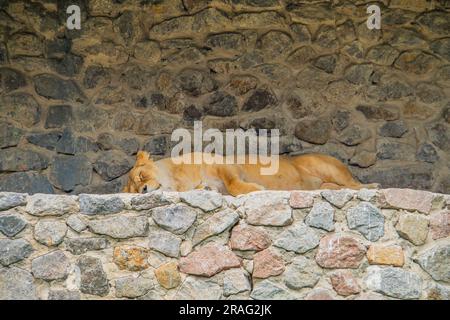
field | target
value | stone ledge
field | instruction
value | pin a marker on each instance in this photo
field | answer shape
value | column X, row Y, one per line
column 368, row 244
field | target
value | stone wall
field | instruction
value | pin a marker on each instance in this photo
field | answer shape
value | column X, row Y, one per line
column 76, row 105
column 385, row 244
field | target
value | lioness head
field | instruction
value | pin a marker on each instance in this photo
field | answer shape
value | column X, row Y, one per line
column 142, row 178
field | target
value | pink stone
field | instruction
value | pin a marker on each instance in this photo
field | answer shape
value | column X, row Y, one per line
column 300, row 199
column 344, row 283
column 249, row 238
column 266, row 264
column 209, row 260
column 339, row 251
column 319, row 294
column 440, row 224
column 409, row 199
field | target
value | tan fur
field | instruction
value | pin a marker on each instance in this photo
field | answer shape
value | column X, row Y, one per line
column 303, row 172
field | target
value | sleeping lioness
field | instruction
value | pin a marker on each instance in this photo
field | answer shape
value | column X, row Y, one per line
column 303, row 172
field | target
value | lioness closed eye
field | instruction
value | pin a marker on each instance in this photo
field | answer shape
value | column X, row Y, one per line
column 304, row 172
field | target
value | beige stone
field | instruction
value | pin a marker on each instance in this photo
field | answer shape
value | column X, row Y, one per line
column 386, row 255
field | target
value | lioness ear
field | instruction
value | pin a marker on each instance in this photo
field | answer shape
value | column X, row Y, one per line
column 142, row 157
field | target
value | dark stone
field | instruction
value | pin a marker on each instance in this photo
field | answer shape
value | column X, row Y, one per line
column 275, row 43
column 315, row 131
column 152, row 100
column 260, row 99
column 326, row 63
column 257, row 3
column 70, row 171
column 9, row 135
column 11, row 79
column 299, row 57
column 110, row 187
column 250, row 59
column 57, row 48
column 227, row 41
column 125, row 26
column 429, row 93
column 112, row 164
column 437, row 22
column 359, row 73
column 415, row 176
column 446, row 114
column 440, row 136
column 82, row 245
column 378, row 113
column 68, row 66
column 261, row 123
column 137, row 78
column 20, row 107
column 341, row 120
column 157, row 145
column 416, row 62
column 354, row 135
column 441, row 47
column 52, row 87
column 107, row 141
column 326, row 37
column 382, row 54
column 70, row 144
column 25, row 182
column 47, row 140
column 94, row 75
column 191, row 113
column 393, row 129
column 301, row 32
column 59, row 116
column 443, row 185
column 221, row 104
column 93, row 279
column 390, row 89
column 16, row 159
column 393, row 150
column 195, row 82
column 427, row 153
column 3, row 54
column 11, row 224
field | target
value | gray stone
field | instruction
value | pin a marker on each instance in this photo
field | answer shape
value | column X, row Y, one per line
column 216, row 224
column 76, row 222
column 221, row 104
column 69, row 65
column 112, row 164
column 52, row 87
column 195, row 82
column 235, row 281
column 25, row 183
column 64, row 295
column 205, row 200
column 268, row 290
column 100, row 204
column 50, row 232
column 51, row 205
column 259, row 99
column 337, row 198
column 315, row 131
column 133, row 287
column 22, row 160
column 176, row 218
column 16, row 284
column 262, row 210
column 321, row 216
column 12, row 251
column 165, row 242
column 326, row 63
column 301, row 32
column 120, row 227
column 95, row 75
column 436, row 262
column 359, row 73
column 11, row 223
column 93, row 279
column 302, row 273
column 149, row 201
column 300, row 56
column 378, row 112
column 440, row 135
column 10, row 200
column 20, row 107
column 157, row 145
column 382, row 54
column 367, row 220
column 198, row 288
column 72, row 145
column 326, row 37
column 394, row 282
column 48, row 140
column 441, row 47
column 394, row 129
column 298, row 238
column 9, row 135
column 429, row 93
column 69, row 171
column 427, row 153
column 438, row 292
column 436, row 21
column 393, row 150
column 59, row 116
column 51, row 266
column 354, row 135
column 83, row 245
column 10, row 80
column 274, row 43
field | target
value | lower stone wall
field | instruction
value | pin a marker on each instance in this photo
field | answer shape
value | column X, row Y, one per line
column 368, row 244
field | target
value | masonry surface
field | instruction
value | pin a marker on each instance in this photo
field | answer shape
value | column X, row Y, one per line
column 368, row 244
column 76, row 105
